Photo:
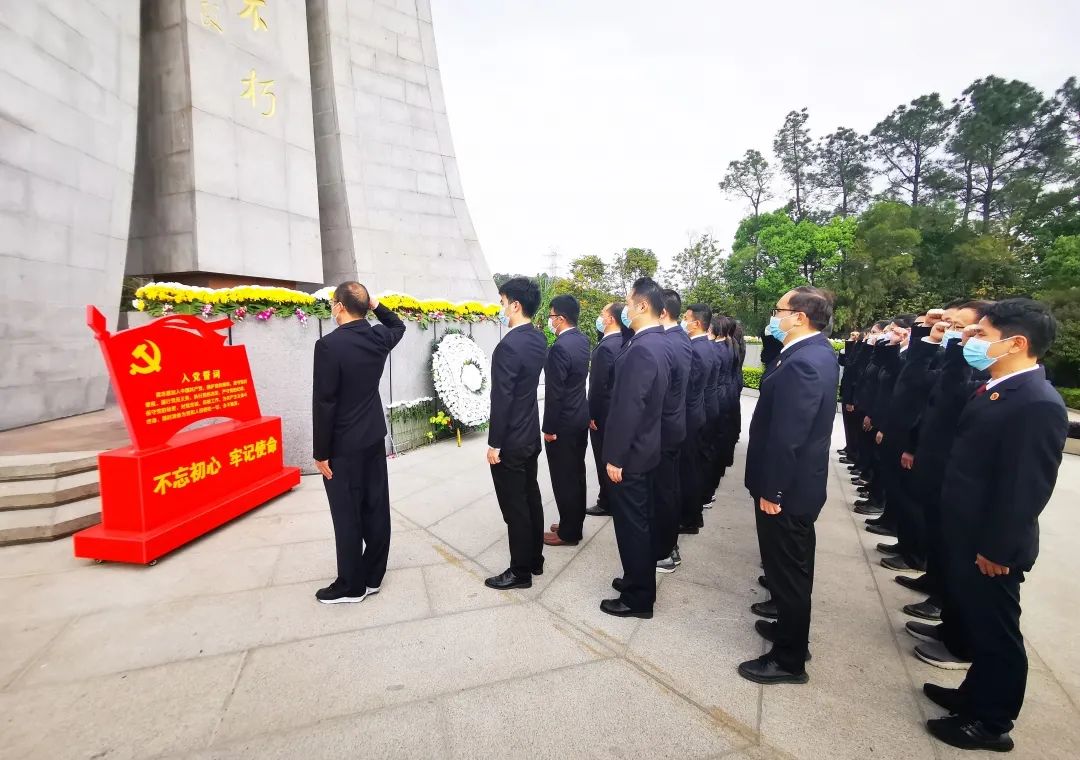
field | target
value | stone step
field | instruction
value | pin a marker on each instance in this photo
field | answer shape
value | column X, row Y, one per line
column 47, row 491
column 21, row 526
column 40, row 466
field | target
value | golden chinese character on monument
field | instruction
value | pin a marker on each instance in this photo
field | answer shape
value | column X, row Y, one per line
column 251, row 11
column 249, row 92
column 162, row 483
column 208, row 9
column 213, row 467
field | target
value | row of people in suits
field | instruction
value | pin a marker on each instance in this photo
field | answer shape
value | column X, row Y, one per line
column 954, row 438
column 658, row 398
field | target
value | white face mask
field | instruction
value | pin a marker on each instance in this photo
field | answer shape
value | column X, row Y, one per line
column 551, row 325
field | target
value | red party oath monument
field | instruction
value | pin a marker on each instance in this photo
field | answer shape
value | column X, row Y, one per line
column 170, row 487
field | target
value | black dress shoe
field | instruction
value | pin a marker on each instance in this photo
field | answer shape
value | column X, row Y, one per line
column 765, row 670
column 618, row 608
column 900, row 565
column 845, row 460
column 879, row 530
column 867, row 502
column 767, row 630
column 920, row 584
column 889, row 548
column 508, row 580
column 538, row 569
column 618, row 584
column 965, row 733
column 762, row 582
column 867, row 509
column 860, row 482
column 598, row 511
column 841, row 451
column 926, row 610
column 688, row 530
column 951, row 699
column 765, row 609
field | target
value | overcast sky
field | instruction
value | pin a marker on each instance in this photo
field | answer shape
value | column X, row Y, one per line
column 588, row 126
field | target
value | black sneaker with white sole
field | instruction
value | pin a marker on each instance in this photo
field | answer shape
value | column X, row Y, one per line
column 336, row 593
column 937, row 654
column 924, row 631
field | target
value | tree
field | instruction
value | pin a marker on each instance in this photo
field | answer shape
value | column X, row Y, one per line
column 793, row 149
column 1006, row 133
column 589, row 273
column 697, row 272
column 844, row 169
column 907, row 138
column 631, row 264
column 749, row 177
column 1068, row 98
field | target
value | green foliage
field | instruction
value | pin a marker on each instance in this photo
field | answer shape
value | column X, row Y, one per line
column 752, row 377
column 797, row 158
column 1071, row 396
column 629, row 265
column 749, row 177
column 844, row 169
column 697, row 273
column 906, row 140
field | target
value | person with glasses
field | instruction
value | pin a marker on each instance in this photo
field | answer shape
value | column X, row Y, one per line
column 787, row 464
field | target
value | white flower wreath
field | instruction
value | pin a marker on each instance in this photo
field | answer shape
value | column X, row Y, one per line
column 460, row 371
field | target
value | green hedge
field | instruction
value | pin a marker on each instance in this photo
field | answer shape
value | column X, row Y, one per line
column 752, row 377
column 1071, row 396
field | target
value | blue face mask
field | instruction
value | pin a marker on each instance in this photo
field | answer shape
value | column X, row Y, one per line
column 975, row 352
column 952, row 335
column 774, row 329
column 626, row 316
column 599, row 324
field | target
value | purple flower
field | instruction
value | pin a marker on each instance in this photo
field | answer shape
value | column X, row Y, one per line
column 265, row 314
column 240, row 313
column 206, row 309
column 301, row 316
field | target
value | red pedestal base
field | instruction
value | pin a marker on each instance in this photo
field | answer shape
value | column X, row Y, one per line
column 155, row 501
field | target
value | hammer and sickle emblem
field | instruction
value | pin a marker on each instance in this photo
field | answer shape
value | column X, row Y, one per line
column 150, row 355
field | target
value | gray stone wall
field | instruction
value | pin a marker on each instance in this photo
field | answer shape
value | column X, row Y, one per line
column 226, row 162
column 68, row 90
column 391, row 203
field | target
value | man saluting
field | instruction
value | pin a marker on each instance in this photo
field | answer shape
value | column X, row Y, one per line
column 349, row 432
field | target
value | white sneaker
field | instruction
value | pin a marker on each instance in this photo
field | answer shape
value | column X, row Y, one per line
column 666, row 565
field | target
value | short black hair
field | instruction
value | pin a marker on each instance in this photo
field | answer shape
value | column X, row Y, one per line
column 904, row 320
column 646, row 288
column 702, row 313
column 956, row 303
column 815, row 303
column 566, row 306
column 979, row 307
column 525, row 291
column 672, row 303
column 881, row 324
column 354, row 297
column 1023, row 316
column 616, row 313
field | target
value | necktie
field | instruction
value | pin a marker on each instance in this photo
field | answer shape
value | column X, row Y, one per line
column 980, row 390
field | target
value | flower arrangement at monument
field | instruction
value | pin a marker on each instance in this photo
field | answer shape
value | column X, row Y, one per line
column 265, row 303
column 459, row 370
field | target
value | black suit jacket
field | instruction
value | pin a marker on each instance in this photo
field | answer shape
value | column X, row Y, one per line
column 910, row 391
column 787, row 458
column 726, row 389
column 632, row 439
column 712, row 387
column 347, row 412
column 566, row 409
column 515, row 374
column 600, row 376
column 1003, row 468
column 673, row 416
column 708, row 364
column 695, row 386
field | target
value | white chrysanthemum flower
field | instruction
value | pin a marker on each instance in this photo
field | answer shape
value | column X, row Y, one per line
column 462, row 376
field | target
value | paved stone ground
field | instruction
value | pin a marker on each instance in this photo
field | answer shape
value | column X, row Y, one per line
column 220, row 651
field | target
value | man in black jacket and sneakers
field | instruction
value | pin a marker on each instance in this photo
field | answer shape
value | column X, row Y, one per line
column 514, row 432
column 1001, row 474
column 673, row 427
column 348, row 433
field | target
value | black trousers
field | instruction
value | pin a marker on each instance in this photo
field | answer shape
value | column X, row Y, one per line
column 788, row 544
column 989, row 609
column 928, row 478
column 690, row 479
column 667, row 505
column 522, row 508
column 596, row 439
column 566, row 463
column 852, row 433
column 632, row 512
column 708, row 455
column 359, row 496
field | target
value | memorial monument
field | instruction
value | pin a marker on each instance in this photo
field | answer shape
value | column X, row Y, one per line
column 269, row 142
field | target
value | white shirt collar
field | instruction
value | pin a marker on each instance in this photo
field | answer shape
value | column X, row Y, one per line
column 672, row 327
column 798, row 340
column 696, row 337
column 514, row 328
column 991, row 383
column 568, row 329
